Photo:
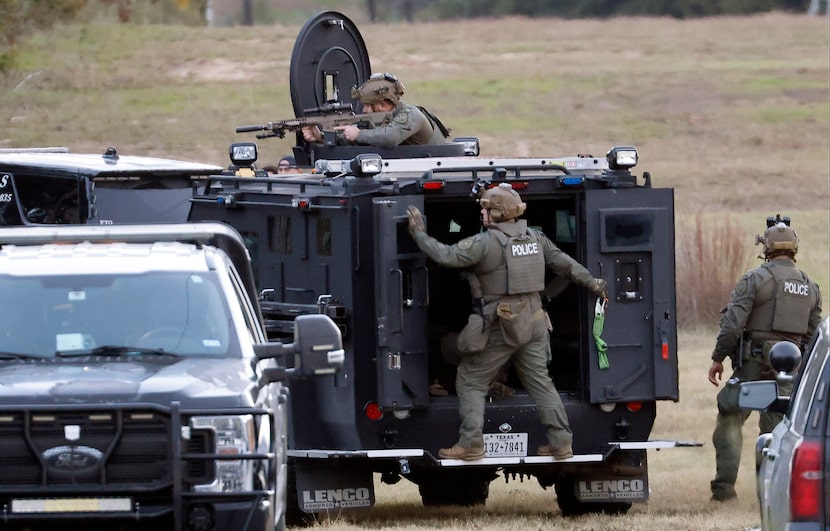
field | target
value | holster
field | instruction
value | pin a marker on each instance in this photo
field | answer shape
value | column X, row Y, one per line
column 741, row 349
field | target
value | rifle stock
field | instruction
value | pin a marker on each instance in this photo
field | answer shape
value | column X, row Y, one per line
column 278, row 128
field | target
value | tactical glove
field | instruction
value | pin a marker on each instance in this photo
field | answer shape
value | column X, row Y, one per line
column 600, row 288
column 416, row 220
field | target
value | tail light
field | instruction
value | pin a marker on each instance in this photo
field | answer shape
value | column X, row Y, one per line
column 806, row 482
column 634, row 407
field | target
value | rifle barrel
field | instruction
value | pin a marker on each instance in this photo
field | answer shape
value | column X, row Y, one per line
column 249, row 128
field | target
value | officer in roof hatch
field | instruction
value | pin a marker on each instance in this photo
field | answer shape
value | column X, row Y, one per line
column 409, row 124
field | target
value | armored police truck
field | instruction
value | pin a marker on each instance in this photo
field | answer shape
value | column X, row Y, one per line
column 335, row 241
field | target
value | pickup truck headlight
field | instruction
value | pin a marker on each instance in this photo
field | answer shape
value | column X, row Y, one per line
column 235, row 435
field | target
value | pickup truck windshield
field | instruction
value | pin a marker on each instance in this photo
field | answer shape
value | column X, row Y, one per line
column 179, row 313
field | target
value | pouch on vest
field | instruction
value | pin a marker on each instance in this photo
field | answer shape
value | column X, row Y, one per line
column 516, row 321
column 728, row 396
column 473, row 337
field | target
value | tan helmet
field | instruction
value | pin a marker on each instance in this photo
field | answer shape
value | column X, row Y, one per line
column 780, row 239
column 503, row 202
column 379, row 87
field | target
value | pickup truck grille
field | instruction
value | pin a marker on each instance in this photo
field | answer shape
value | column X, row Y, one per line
column 107, row 448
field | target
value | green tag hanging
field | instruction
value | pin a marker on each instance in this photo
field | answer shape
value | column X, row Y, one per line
column 599, row 322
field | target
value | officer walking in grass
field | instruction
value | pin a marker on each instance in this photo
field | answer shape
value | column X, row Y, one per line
column 409, row 124
column 773, row 302
column 508, row 260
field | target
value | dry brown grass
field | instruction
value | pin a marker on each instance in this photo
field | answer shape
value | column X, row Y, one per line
column 710, row 256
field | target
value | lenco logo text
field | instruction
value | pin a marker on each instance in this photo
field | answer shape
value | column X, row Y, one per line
column 609, row 489
column 524, row 249
column 796, row 288
column 332, row 498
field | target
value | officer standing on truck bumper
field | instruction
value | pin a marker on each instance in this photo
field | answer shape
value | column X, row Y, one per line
column 773, row 302
column 509, row 260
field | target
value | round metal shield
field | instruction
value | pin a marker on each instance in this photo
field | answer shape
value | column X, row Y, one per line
column 329, row 58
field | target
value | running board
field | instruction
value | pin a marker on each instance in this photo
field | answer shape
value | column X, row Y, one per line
column 529, row 460
column 407, row 453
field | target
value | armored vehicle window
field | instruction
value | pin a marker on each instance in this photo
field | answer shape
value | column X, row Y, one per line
column 565, row 227
column 279, row 234
column 178, row 312
column 252, row 243
column 324, row 236
column 48, row 199
column 623, row 230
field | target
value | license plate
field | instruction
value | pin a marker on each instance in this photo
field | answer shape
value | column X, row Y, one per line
column 505, row 444
column 71, row 505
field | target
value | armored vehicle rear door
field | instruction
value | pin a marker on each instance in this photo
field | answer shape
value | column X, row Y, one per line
column 401, row 300
column 630, row 243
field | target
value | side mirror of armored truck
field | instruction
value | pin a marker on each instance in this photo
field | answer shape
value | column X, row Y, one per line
column 317, row 348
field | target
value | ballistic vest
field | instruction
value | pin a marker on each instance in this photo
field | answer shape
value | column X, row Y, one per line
column 512, row 265
column 786, row 301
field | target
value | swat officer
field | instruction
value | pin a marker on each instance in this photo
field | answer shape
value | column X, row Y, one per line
column 409, row 124
column 508, row 260
column 773, row 302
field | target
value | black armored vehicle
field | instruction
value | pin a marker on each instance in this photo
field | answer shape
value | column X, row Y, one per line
column 54, row 186
column 335, row 241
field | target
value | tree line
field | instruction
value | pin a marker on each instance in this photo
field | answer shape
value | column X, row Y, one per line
column 450, row 9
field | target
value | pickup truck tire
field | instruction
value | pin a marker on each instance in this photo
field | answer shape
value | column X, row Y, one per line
column 464, row 488
column 570, row 505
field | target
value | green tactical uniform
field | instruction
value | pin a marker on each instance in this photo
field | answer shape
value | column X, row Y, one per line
column 772, row 302
column 408, row 126
column 509, row 259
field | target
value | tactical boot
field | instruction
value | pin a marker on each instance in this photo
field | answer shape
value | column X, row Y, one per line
column 722, row 492
column 563, row 452
column 459, row 452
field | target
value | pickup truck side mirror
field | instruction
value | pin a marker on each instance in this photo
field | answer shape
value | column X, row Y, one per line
column 317, row 347
column 762, row 396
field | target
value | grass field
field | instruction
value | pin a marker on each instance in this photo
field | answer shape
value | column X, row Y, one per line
column 734, row 113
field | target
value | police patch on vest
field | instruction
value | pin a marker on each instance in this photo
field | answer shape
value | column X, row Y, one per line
column 796, row 288
column 524, row 249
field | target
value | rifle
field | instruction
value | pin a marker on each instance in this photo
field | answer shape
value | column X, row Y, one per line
column 329, row 116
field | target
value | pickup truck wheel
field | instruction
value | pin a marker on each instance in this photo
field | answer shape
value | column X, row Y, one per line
column 570, row 505
column 463, row 488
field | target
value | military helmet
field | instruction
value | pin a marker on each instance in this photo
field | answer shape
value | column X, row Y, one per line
column 780, row 239
column 379, row 87
column 503, row 202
